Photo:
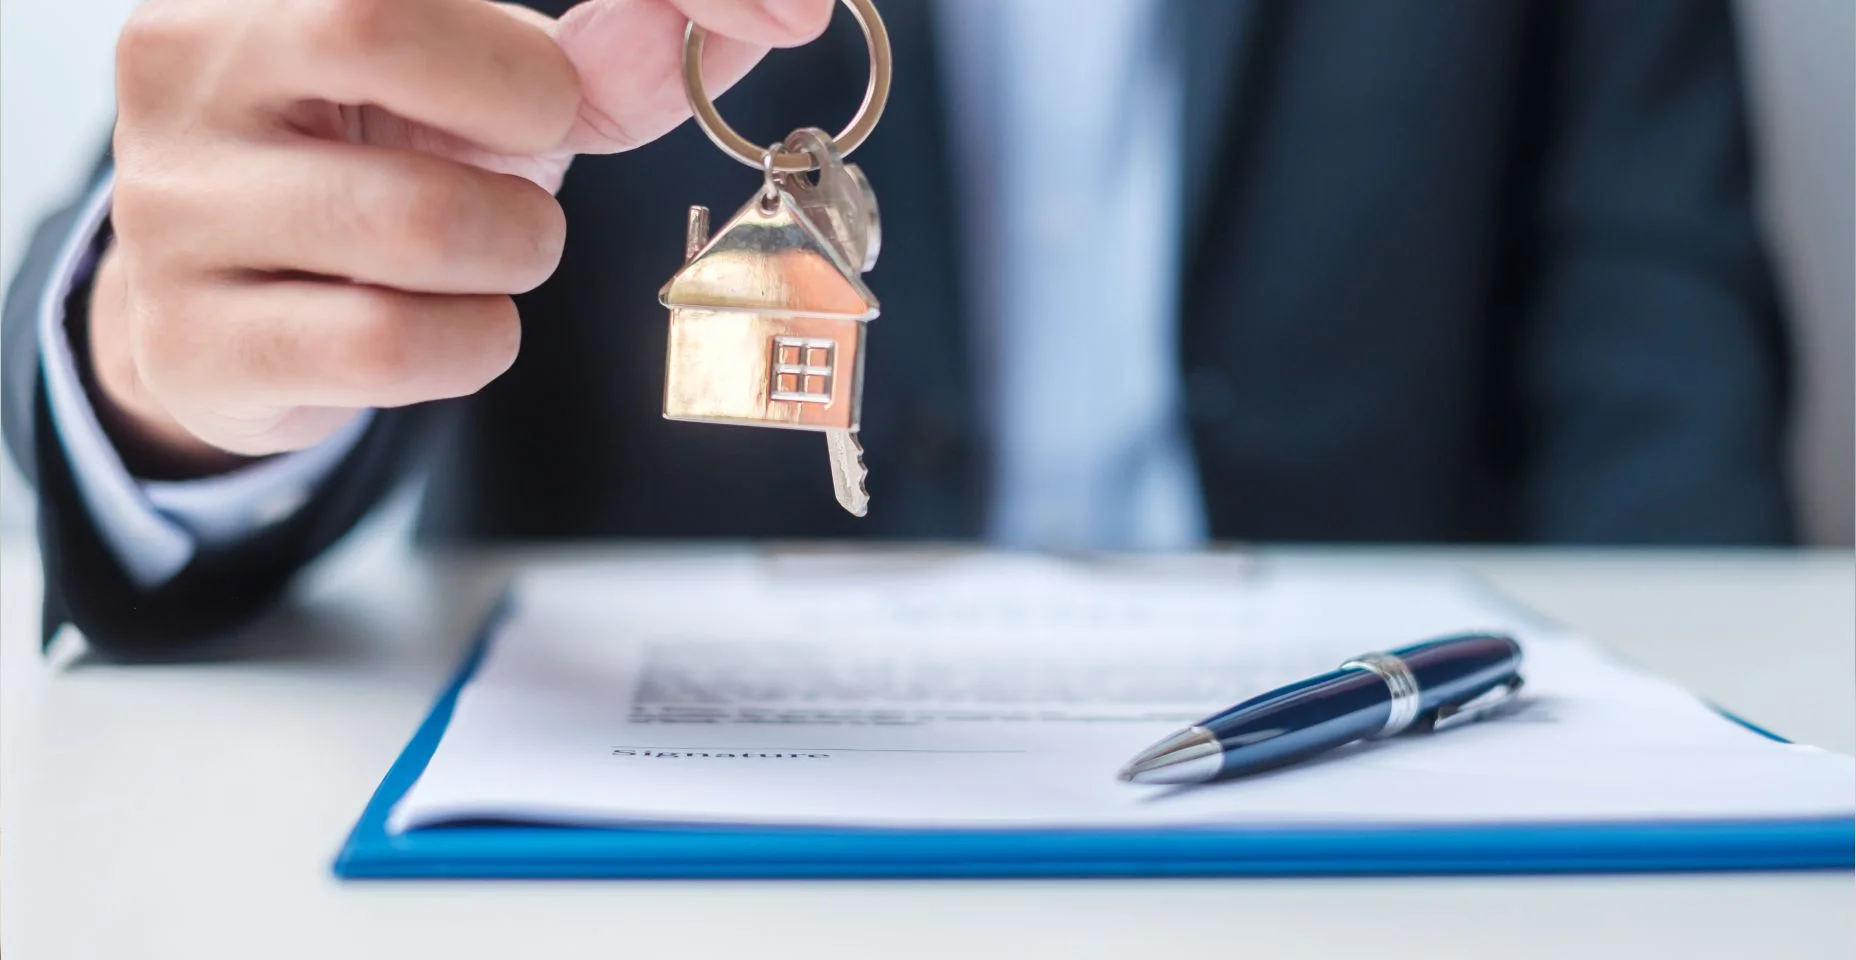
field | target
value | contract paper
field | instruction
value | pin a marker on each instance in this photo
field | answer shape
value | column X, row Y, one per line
column 980, row 690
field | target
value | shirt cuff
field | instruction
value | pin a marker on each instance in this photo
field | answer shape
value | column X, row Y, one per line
column 153, row 528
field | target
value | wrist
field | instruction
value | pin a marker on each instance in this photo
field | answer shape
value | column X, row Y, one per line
column 152, row 444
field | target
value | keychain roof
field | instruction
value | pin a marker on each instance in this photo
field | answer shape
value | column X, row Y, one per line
column 738, row 270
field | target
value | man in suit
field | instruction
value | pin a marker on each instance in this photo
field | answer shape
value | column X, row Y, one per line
column 1153, row 272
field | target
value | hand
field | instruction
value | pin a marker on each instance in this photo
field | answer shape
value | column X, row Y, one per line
column 322, row 206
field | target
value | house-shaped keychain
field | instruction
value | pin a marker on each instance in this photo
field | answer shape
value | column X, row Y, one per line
column 767, row 320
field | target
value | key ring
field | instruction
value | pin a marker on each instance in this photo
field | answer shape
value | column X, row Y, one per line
column 876, row 95
column 769, row 184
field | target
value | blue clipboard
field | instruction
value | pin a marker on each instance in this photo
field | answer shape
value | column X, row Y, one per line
column 512, row 850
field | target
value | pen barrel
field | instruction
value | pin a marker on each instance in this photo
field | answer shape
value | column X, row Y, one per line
column 1453, row 670
column 1300, row 721
column 1321, row 713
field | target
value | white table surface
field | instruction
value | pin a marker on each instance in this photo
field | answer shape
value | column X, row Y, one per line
column 192, row 811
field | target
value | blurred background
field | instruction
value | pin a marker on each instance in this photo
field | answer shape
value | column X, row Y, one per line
column 55, row 104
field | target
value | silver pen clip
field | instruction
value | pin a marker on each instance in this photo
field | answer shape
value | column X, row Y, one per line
column 1475, row 708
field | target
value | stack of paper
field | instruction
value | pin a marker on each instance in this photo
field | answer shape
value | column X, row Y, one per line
column 975, row 692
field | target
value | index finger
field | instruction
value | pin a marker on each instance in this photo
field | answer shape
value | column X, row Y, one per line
column 463, row 66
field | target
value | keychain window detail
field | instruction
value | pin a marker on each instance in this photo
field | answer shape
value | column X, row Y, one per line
column 802, row 369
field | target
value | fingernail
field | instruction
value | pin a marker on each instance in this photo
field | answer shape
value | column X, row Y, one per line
column 804, row 17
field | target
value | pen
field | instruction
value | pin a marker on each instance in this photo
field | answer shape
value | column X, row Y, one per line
column 1424, row 686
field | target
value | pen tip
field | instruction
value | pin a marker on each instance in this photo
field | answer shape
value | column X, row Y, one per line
column 1189, row 756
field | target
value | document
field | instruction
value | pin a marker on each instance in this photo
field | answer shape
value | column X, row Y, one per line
column 975, row 690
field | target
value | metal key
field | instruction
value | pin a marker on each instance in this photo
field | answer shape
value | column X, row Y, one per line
column 767, row 316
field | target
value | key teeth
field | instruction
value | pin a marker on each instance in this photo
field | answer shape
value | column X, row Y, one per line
column 848, row 473
column 860, row 495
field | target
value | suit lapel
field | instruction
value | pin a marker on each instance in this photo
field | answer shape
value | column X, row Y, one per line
column 921, row 436
column 1218, row 40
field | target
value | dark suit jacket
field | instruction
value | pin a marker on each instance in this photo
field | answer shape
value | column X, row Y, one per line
column 1455, row 271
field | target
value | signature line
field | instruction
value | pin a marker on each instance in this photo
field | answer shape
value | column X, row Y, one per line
column 633, row 746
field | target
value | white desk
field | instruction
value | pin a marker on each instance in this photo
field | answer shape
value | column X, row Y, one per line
column 192, row 811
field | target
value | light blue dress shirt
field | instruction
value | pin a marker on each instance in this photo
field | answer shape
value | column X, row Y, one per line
column 1067, row 119
column 1067, row 125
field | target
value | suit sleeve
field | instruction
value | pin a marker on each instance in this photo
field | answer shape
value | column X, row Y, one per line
column 225, row 582
column 1652, row 365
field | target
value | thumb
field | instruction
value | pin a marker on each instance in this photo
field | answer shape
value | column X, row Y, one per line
column 629, row 54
